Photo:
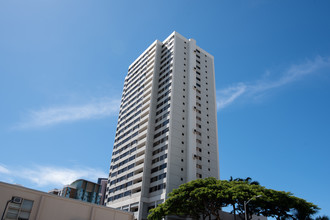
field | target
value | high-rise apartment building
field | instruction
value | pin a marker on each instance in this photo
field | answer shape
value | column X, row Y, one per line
column 167, row 126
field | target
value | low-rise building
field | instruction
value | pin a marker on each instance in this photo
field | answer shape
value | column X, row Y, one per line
column 83, row 190
column 17, row 202
column 103, row 182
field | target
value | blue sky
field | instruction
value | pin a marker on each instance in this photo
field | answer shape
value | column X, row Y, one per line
column 63, row 63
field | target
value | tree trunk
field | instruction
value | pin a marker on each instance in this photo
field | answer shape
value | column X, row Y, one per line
column 234, row 209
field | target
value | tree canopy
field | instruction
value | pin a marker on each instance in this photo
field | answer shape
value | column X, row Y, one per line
column 204, row 198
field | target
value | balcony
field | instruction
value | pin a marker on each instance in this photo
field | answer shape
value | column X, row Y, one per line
column 140, row 149
column 141, row 143
column 138, row 169
column 137, row 176
column 139, row 160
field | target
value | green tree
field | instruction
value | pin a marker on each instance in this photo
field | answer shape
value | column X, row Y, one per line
column 205, row 198
column 234, row 194
column 276, row 204
column 242, row 192
column 303, row 210
column 195, row 199
column 247, row 180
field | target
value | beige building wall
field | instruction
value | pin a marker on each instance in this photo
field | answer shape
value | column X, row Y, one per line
column 51, row 207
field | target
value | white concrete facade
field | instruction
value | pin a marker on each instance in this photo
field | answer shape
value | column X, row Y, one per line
column 167, row 126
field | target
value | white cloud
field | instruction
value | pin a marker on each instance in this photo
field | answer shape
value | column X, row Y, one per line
column 44, row 176
column 50, row 176
column 4, row 170
column 228, row 95
column 56, row 115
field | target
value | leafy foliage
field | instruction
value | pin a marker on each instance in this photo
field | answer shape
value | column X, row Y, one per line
column 204, row 198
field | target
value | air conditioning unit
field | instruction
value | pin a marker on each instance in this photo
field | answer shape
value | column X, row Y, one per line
column 17, row 200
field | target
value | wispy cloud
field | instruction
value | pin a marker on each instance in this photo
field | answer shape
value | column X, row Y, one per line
column 56, row 115
column 228, row 95
column 50, row 176
column 4, row 170
column 43, row 176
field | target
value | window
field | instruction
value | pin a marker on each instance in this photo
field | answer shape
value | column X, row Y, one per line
column 161, row 167
column 19, row 208
column 159, row 177
column 158, row 187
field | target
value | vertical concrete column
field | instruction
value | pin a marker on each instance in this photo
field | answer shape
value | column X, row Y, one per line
column 191, row 116
column 41, row 202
